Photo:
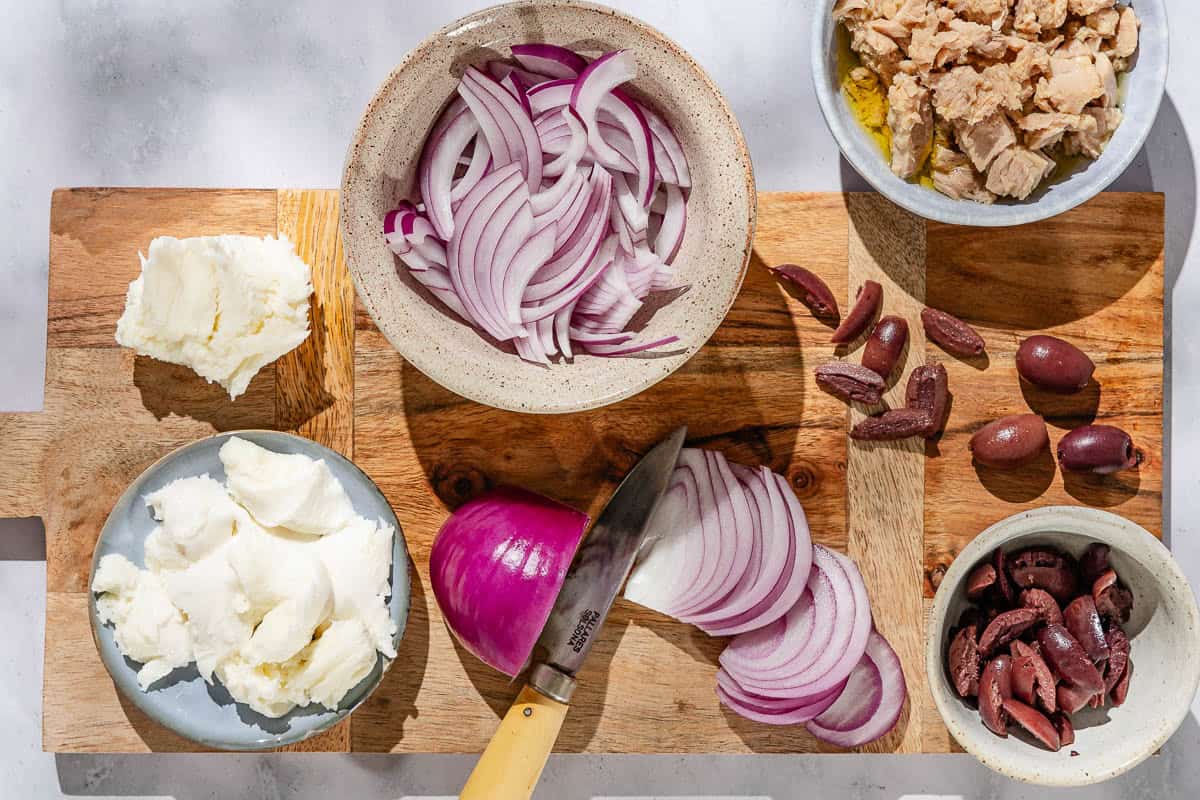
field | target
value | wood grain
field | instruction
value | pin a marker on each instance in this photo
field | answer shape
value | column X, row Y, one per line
column 314, row 384
column 885, row 480
column 1094, row 275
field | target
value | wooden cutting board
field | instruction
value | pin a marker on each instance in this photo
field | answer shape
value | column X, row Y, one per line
column 1093, row 275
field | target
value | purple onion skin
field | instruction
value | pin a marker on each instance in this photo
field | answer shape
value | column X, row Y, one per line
column 1102, row 449
column 496, row 568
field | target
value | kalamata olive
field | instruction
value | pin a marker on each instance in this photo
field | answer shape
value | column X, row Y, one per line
column 1000, row 562
column 1044, row 681
column 951, row 333
column 890, row 426
column 1044, row 603
column 1066, row 731
column 1094, row 562
column 964, row 662
column 1041, row 568
column 1113, row 601
column 1118, row 660
column 1010, row 442
column 885, row 346
column 1083, row 621
column 850, row 382
column 1102, row 449
column 980, row 580
column 1033, row 721
column 1053, row 364
column 1071, row 698
column 1023, row 676
column 866, row 306
column 814, row 293
column 995, row 685
column 1069, row 661
column 929, row 390
column 1006, row 627
column 1121, row 690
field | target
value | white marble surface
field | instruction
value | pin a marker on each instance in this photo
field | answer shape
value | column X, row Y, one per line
column 262, row 94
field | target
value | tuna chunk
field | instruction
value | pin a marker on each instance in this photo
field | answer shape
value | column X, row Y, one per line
column 911, row 14
column 1081, row 8
column 1073, row 83
column 1127, row 34
column 910, row 118
column 1108, row 79
column 1034, row 16
column 1045, row 129
column 877, row 51
column 1017, row 172
column 955, row 177
column 851, row 9
column 1090, row 140
column 965, row 95
column 983, row 141
column 1104, row 22
column 992, row 13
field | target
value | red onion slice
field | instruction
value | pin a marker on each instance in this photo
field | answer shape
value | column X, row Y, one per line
column 667, row 150
column 862, row 714
column 513, row 123
column 457, row 128
column 600, row 80
column 549, row 59
column 836, row 661
column 502, row 69
column 674, row 223
column 770, row 711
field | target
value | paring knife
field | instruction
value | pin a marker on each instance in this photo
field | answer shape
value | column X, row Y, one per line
column 513, row 761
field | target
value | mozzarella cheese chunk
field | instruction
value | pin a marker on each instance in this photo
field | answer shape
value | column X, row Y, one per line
column 223, row 305
column 285, row 490
column 282, row 617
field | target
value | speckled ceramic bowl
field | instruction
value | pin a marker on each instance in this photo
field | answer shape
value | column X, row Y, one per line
column 183, row 701
column 1142, row 88
column 381, row 165
column 1164, row 630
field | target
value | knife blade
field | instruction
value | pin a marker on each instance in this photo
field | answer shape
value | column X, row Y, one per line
column 599, row 569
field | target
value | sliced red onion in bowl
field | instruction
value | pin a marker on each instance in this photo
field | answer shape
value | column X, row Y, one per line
column 549, row 59
column 563, row 264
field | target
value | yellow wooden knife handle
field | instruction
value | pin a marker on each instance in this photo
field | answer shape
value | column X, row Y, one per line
column 513, row 761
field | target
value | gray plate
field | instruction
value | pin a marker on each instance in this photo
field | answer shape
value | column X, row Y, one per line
column 183, row 701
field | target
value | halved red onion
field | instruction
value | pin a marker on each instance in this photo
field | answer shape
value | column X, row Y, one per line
column 549, row 59
column 496, row 568
column 871, row 702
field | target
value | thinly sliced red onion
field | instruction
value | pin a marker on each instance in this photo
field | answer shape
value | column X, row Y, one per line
column 478, row 165
column 771, row 711
column 667, row 149
column 563, row 263
column 674, row 223
column 477, row 211
column 439, row 161
column 502, row 69
column 549, row 59
column 857, row 717
column 513, row 123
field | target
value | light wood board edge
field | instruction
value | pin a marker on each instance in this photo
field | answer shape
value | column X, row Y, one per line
column 314, row 384
column 885, row 481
